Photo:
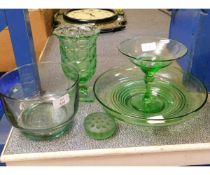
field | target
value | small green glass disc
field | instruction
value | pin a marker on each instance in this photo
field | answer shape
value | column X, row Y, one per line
column 99, row 126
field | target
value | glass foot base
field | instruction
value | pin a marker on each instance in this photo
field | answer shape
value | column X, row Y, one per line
column 47, row 136
column 151, row 105
column 86, row 94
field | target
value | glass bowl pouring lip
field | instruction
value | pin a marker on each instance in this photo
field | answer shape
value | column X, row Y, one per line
column 133, row 116
column 44, row 62
column 154, row 37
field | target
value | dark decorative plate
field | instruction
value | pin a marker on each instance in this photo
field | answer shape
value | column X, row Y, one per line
column 111, row 26
column 90, row 15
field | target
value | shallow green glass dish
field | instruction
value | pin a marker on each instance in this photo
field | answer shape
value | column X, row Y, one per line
column 181, row 94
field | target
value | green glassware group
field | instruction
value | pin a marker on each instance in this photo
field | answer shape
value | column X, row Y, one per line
column 153, row 92
column 145, row 94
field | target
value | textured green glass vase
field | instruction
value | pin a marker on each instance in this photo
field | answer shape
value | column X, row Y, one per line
column 78, row 47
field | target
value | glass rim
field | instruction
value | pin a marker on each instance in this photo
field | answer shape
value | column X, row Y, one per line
column 155, row 38
column 42, row 62
column 94, row 32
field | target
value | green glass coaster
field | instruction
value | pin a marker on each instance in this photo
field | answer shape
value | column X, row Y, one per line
column 99, row 126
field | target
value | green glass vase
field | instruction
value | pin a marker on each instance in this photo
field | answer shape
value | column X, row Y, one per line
column 78, row 47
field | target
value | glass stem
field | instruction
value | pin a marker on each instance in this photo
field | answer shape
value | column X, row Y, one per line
column 148, row 79
column 86, row 93
column 83, row 87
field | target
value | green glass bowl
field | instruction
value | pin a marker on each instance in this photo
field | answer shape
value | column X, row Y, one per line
column 41, row 99
column 181, row 93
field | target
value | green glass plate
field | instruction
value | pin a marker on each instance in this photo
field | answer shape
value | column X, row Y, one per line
column 178, row 93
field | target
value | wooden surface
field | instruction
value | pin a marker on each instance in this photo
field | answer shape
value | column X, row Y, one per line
column 157, row 155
